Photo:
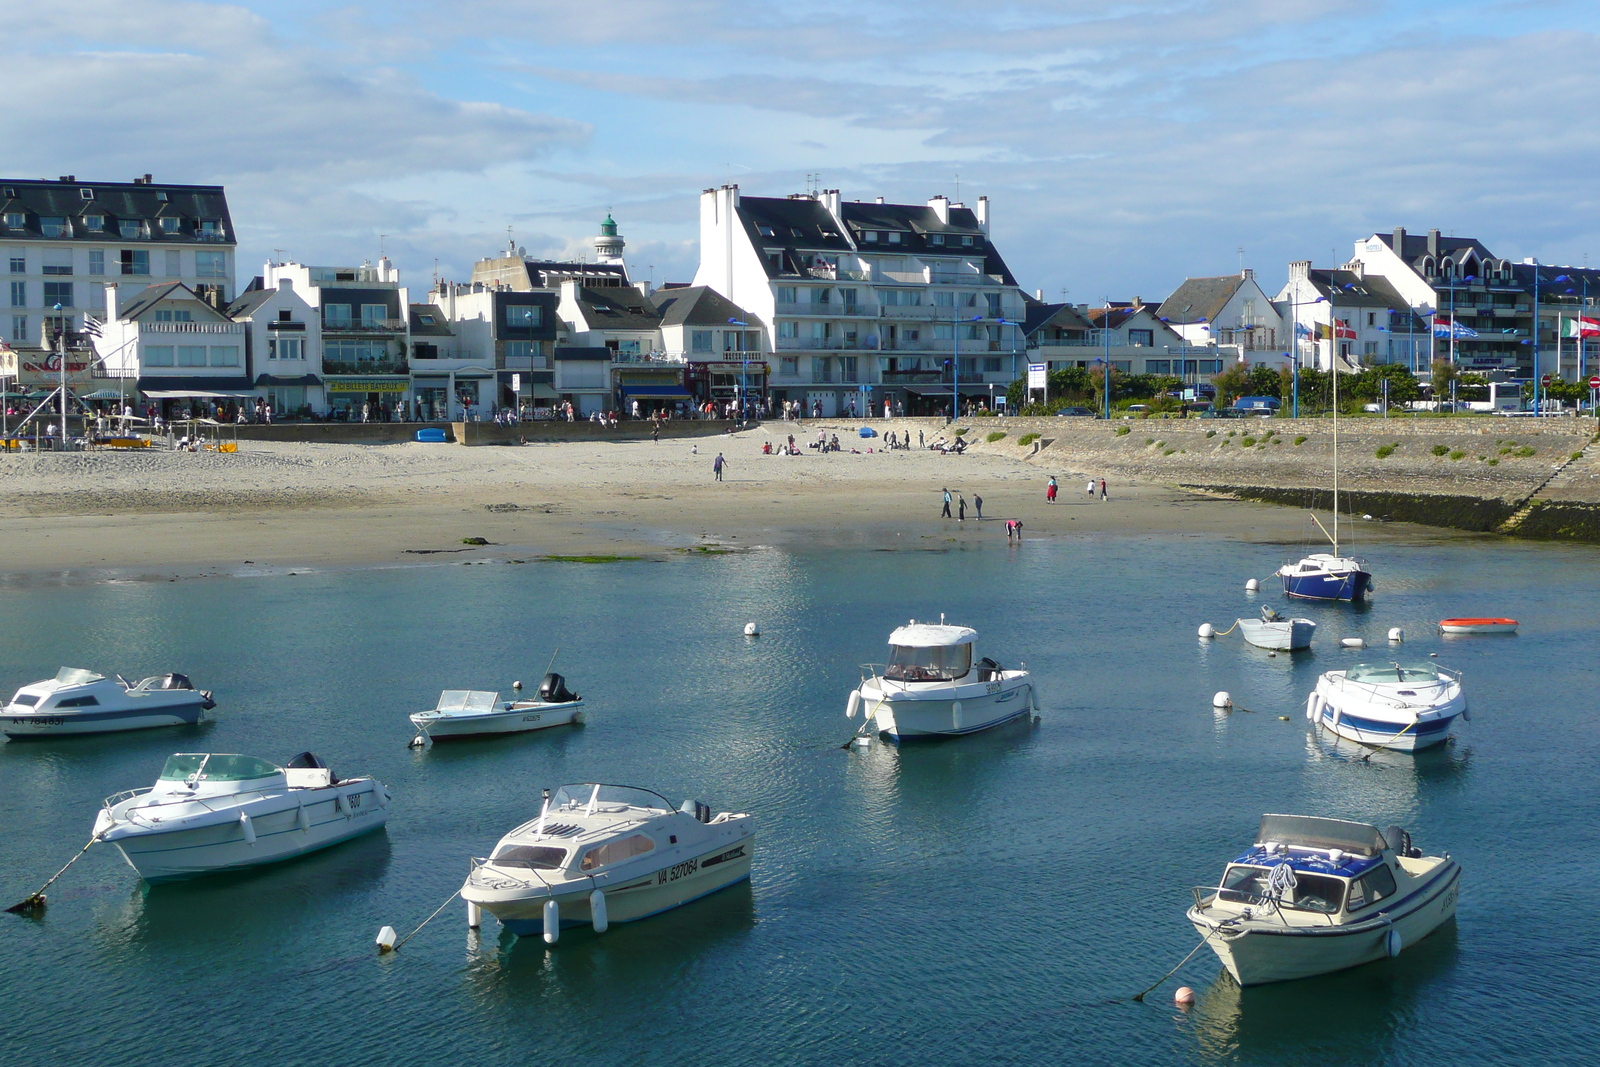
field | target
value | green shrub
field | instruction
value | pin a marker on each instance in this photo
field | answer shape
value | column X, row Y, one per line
column 1122, row 431
column 1440, row 450
column 1028, row 439
column 1211, row 433
column 962, row 432
column 1577, row 455
column 1524, row 452
column 1494, row 463
column 1458, row 454
column 1248, row 442
column 1384, row 451
column 1169, row 451
column 1300, row 440
column 1225, row 443
column 996, row 436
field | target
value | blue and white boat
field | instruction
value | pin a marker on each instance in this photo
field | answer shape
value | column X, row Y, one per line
column 1402, row 706
column 77, row 701
column 1327, row 576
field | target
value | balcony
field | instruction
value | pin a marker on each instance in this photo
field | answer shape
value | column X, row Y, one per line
column 191, row 327
column 912, row 377
column 366, row 326
column 905, row 277
column 914, row 312
column 807, row 309
column 677, row 358
column 366, row 366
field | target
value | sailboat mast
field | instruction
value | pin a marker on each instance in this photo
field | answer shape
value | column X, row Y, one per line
column 1333, row 364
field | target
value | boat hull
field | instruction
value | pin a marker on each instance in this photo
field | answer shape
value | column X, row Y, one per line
column 638, row 897
column 1478, row 626
column 510, row 721
column 1279, row 953
column 166, row 855
column 1352, row 586
column 909, row 716
column 1290, row 635
column 60, row 722
column 1428, row 729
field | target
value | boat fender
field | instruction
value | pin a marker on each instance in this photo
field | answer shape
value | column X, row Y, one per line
column 474, row 916
column 517, row 685
column 552, row 922
column 248, row 827
column 597, row 911
column 1394, row 942
column 303, row 818
column 341, row 805
column 752, row 630
column 386, row 939
column 1353, row 642
column 955, row 714
column 1311, row 708
column 1033, row 698
column 383, row 795
column 853, row 705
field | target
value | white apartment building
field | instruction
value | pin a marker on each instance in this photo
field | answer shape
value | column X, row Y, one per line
column 283, row 347
column 365, row 328
column 175, row 346
column 1360, row 317
column 62, row 241
column 867, row 302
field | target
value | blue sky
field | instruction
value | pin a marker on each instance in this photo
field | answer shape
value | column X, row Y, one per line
column 1123, row 146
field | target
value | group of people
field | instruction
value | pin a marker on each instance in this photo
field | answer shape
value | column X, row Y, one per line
column 1092, row 487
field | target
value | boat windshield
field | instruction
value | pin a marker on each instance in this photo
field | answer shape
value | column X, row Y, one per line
column 1391, row 673
column 1246, row 884
column 77, row 676
column 610, row 798
column 467, row 700
column 937, row 663
column 539, row 857
column 218, row 767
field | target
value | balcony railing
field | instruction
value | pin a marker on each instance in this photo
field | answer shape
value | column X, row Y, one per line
column 808, row 308
column 910, row 377
column 366, row 366
column 366, row 326
column 656, row 357
column 902, row 311
column 191, row 327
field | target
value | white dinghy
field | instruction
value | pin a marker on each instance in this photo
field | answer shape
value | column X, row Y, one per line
column 1273, row 631
column 77, row 701
column 476, row 713
column 1403, row 706
column 602, row 854
column 931, row 688
column 1314, row 896
column 222, row 812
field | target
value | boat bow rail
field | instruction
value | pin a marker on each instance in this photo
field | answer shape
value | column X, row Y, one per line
column 1444, row 677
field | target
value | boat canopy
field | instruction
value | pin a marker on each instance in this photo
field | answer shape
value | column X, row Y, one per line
column 609, row 798
column 931, row 635
column 77, row 676
column 1308, row 831
column 467, row 700
column 1391, row 673
column 216, row 767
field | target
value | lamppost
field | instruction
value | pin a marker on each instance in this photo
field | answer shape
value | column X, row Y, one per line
column 1294, row 347
column 744, row 368
column 1105, row 360
column 955, row 364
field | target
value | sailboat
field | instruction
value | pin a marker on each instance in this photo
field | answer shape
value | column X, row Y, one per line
column 1329, row 575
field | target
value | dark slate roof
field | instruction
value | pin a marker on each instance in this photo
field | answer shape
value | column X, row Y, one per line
column 1203, row 297
column 1112, row 317
column 546, row 274
column 149, row 297
column 248, row 301
column 698, row 305
column 1039, row 315
column 1345, row 288
column 1416, row 247
column 440, row 326
column 118, row 201
column 919, row 225
column 622, row 308
column 1522, row 275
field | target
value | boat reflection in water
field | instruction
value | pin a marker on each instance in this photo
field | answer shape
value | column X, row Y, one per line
column 1292, row 1022
column 1341, row 773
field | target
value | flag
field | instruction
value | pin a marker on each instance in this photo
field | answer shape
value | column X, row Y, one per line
column 1447, row 328
column 1344, row 331
column 91, row 326
column 1580, row 327
column 1302, row 330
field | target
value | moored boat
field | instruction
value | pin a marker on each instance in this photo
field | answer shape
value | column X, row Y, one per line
column 78, row 701
column 1403, row 706
column 599, row 854
column 1315, row 895
column 1477, row 626
column 1327, row 576
column 476, row 713
column 1273, row 631
column 222, row 811
column 931, row 687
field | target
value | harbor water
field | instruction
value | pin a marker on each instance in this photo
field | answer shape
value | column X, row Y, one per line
column 985, row 900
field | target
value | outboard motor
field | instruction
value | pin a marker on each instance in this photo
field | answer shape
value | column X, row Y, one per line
column 310, row 761
column 175, row 681
column 553, row 690
column 988, row 669
column 1400, row 841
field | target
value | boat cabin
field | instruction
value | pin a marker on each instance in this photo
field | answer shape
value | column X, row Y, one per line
column 76, row 688
column 928, row 652
column 1394, row 673
column 584, row 828
column 1339, row 868
column 190, row 774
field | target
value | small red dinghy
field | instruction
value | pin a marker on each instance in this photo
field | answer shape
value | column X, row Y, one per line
column 1477, row 626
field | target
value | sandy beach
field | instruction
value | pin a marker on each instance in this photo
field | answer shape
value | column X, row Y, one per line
column 288, row 504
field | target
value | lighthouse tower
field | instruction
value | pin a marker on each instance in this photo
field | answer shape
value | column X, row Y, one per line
column 608, row 245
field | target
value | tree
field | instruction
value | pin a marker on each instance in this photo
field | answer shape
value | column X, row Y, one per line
column 1368, row 384
column 1231, row 384
column 1444, row 373
column 1264, row 381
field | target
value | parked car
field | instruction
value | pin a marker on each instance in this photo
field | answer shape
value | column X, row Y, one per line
column 1076, row 411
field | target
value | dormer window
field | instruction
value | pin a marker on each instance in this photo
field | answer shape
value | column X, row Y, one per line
column 128, row 229
column 966, row 242
column 161, row 197
column 936, row 238
column 87, row 194
column 766, row 231
column 169, row 224
column 94, row 223
column 54, row 226
column 16, row 220
column 870, row 236
column 894, row 237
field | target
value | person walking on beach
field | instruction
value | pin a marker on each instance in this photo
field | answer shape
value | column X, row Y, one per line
column 1091, row 488
column 1102, row 490
column 717, row 465
column 961, row 507
column 919, row 438
column 945, row 514
column 977, row 502
column 1050, row 491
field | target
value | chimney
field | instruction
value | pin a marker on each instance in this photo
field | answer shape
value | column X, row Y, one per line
column 645, row 288
column 1400, row 241
column 983, row 214
column 941, row 207
column 69, row 178
column 1247, row 274
column 1433, row 243
column 1038, row 294
column 879, row 200
column 286, row 285
column 830, row 200
column 1300, row 270
column 1356, row 267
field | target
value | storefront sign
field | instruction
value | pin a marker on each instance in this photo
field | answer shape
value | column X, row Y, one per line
column 367, row 385
column 1036, row 376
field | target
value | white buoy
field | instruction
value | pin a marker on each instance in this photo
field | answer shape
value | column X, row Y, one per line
column 752, row 630
column 852, row 705
column 1207, row 630
column 597, row 912
column 248, row 827
column 1251, row 586
column 1396, row 634
column 1184, row 996
column 552, row 922
column 1394, row 942
column 1353, row 642
column 474, row 916
column 303, row 818
column 1272, row 655
column 1222, row 700
column 418, row 741
column 386, row 939
column 517, row 685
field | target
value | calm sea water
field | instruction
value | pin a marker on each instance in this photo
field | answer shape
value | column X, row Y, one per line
column 994, row 899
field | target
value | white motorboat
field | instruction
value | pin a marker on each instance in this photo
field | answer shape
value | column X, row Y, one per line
column 1275, row 632
column 931, row 688
column 602, row 854
column 77, row 701
column 1315, row 895
column 1403, row 706
column 221, row 812
column 475, row 712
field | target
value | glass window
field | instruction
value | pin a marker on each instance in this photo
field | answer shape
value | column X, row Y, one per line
column 700, row 341
column 128, row 229
column 943, row 331
column 58, row 293
column 936, row 238
column 135, row 261
column 894, row 237
column 224, row 355
column 992, row 365
column 1122, row 366
column 191, row 355
column 788, row 328
column 542, row 857
column 1371, row 887
column 53, row 226
column 19, row 261
column 1245, row 884
column 941, row 663
column 94, row 223
column 374, row 314
column 78, row 702
column 616, row 851
column 19, row 327
column 285, row 348
column 848, row 368
column 519, row 349
column 966, row 242
column 790, row 367
column 58, row 261
column 219, row 767
column 1142, row 337
column 944, row 299
column 211, row 264
column 97, row 261
column 169, row 224
column 19, row 294
column 336, row 315
column 174, row 263
column 786, row 294
column 525, row 316
column 1158, row 366
column 821, row 296
column 16, row 220
column 210, row 228
column 1211, row 366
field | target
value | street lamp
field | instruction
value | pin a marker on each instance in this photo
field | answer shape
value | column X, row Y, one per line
column 955, row 364
column 744, row 367
column 1294, row 347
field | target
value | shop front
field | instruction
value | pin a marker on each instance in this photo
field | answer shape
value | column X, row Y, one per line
column 725, row 380
column 291, row 396
column 378, row 398
column 655, row 389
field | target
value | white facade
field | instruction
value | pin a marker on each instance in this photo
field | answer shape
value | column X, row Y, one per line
column 175, row 345
column 285, row 346
column 363, row 314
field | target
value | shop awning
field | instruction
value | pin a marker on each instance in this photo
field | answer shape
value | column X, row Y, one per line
column 288, row 379
column 945, row 390
column 665, row 392
column 198, row 394
column 540, row 391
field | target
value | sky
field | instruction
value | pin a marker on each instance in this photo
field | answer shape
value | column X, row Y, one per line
column 1123, row 145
